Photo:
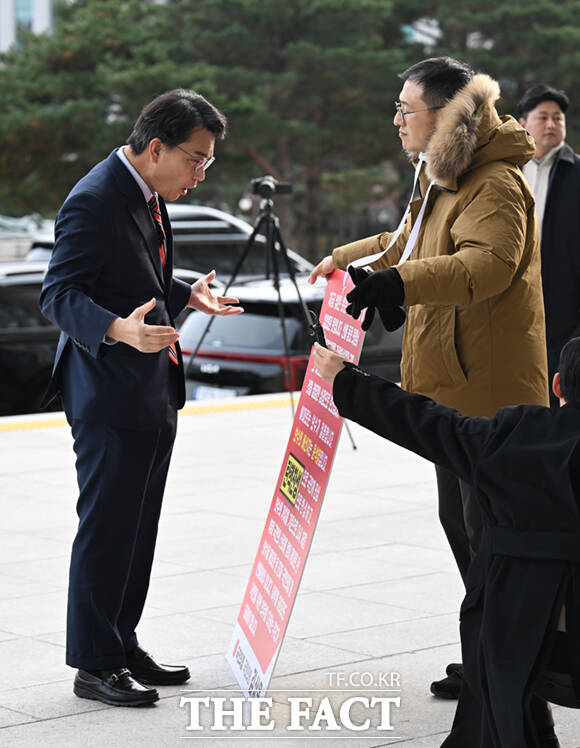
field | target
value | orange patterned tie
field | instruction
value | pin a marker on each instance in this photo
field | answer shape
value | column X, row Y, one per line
column 156, row 213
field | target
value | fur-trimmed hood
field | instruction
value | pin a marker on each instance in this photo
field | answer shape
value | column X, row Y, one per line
column 469, row 133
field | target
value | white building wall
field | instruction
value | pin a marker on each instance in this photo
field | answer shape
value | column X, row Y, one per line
column 41, row 16
column 40, row 21
column 7, row 24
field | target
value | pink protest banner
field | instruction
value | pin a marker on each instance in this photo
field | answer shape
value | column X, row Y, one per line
column 295, row 507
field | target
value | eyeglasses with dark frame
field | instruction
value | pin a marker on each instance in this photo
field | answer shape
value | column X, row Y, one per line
column 399, row 110
column 199, row 163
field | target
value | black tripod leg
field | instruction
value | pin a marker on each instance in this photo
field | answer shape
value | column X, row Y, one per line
column 273, row 233
column 292, row 273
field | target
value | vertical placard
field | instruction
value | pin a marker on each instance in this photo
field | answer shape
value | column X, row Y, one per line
column 295, row 507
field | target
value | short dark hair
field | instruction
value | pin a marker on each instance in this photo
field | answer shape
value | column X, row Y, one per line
column 173, row 116
column 569, row 368
column 441, row 78
column 538, row 93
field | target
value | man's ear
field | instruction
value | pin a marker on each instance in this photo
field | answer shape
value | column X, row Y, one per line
column 556, row 389
column 522, row 122
column 154, row 148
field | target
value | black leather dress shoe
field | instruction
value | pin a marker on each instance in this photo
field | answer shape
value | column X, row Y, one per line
column 449, row 687
column 144, row 669
column 115, row 687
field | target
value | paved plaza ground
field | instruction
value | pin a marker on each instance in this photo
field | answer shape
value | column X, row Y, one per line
column 378, row 605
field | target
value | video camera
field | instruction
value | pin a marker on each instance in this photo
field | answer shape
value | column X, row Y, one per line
column 268, row 186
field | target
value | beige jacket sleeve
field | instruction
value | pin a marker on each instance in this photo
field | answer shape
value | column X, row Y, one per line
column 489, row 237
column 370, row 246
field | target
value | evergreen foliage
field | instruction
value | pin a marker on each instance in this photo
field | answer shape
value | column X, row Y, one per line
column 308, row 87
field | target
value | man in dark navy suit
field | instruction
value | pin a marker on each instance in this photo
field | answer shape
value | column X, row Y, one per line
column 118, row 367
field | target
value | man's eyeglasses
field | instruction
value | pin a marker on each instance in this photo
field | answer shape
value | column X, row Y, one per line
column 399, row 108
column 198, row 163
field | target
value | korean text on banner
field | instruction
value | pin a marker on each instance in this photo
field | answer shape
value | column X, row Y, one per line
column 293, row 514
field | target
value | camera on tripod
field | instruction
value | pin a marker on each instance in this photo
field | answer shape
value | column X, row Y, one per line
column 268, row 186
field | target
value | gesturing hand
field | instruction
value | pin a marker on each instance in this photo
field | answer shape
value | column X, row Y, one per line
column 382, row 290
column 203, row 300
column 134, row 331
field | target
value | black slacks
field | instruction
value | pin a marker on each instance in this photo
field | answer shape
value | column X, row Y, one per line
column 121, row 476
column 461, row 517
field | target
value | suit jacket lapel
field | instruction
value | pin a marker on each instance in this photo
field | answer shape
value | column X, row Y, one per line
column 139, row 212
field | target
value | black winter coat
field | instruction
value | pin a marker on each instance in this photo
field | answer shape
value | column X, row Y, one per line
column 524, row 464
column 560, row 245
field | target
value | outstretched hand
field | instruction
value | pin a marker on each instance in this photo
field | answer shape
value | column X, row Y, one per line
column 204, row 300
column 134, row 331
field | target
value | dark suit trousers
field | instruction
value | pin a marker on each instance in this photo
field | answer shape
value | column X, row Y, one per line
column 121, row 476
column 461, row 517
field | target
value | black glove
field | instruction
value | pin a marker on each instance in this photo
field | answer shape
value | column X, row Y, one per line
column 392, row 319
column 383, row 290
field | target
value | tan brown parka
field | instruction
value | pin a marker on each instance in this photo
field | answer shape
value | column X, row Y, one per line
column 474, row 337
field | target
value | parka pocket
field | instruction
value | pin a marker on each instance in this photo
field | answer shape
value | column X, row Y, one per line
column 447, row 337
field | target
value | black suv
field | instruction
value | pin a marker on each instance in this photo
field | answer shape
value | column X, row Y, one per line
column 244, row 354
column 27, row 339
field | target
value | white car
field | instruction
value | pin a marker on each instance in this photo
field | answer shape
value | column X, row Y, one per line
column 205, row 238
